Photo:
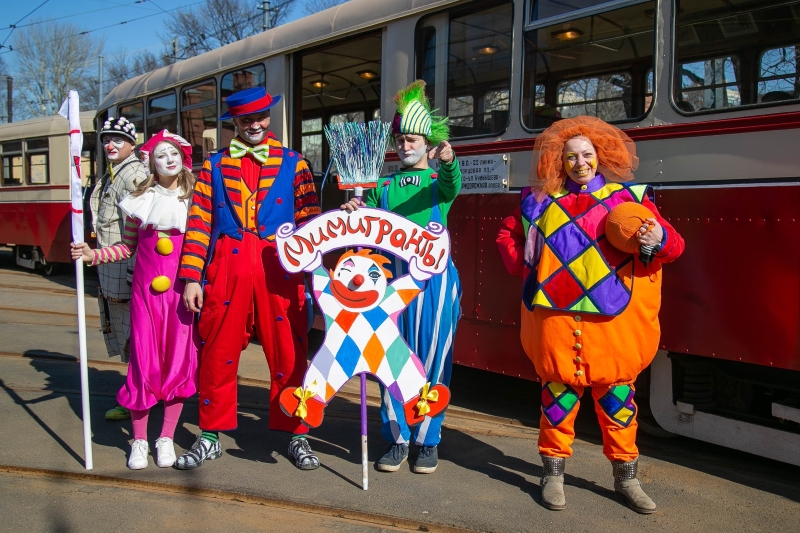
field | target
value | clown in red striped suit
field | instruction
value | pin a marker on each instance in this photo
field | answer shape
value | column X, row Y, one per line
column 232, row 273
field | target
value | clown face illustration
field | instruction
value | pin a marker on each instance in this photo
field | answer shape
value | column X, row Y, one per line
column 359, row 281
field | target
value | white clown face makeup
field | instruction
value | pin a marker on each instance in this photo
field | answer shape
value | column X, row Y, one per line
column 253, row 128
column 580, row 160
column 410, row 148
column 117, row 148
column 167, row 159
column 358, row 283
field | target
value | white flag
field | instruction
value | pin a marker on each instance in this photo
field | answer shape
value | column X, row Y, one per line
column 70, row 110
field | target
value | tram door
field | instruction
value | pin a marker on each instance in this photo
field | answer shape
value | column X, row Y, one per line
column 336, row 83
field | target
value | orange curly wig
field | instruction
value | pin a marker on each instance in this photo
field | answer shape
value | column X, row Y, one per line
column 616, row 152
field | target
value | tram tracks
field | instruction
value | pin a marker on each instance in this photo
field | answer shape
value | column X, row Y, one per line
column 337, row 513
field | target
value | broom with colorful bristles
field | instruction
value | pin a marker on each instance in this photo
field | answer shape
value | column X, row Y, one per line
column 358, row 149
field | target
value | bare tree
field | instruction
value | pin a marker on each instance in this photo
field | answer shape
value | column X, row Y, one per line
column 216, row 23
column 315, row 6
column 51, row 58
column 124, row 66
column 3, row 96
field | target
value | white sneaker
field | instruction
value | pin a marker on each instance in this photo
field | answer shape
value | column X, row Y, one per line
column 138, row 458
column 165, row 452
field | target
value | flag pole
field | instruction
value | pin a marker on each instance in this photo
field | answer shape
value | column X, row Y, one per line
column 70, row 110
column 364, row 466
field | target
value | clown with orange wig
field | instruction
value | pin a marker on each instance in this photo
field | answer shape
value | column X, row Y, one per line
column 361, row 310
column 589, row 307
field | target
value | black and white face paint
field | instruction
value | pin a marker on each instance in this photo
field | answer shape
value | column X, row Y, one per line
column 410, row 157
column 167, row 159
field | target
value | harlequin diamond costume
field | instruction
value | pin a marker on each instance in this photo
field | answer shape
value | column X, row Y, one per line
column 242, row 194
column 429, row 323
column 590, row 310
column 164, row 343
column 361, row 311
column 108, row 224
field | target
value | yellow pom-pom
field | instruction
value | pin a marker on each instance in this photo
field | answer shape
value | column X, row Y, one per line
column 160, row 284
column 164, row 246
column 623, row 223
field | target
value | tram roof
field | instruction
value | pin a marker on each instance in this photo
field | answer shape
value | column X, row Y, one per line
column 44, row 126
column 337, row 21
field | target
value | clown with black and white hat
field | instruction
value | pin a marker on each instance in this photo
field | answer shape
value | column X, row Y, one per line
column 123, row 175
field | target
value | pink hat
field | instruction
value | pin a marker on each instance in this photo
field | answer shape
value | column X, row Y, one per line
column 165, row 135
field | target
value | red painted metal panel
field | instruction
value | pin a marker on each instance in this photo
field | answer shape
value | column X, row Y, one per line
column 488, row 333
column 43, row 224
column 735, row 292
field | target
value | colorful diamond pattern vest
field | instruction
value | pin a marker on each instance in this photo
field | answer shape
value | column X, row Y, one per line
column 578, row 269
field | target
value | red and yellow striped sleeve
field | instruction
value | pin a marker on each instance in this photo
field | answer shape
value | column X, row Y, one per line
column 198, row 228
column 120, row 251
column 306, row 202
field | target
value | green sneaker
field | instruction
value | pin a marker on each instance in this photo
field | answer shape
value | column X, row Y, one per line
column 118, row 413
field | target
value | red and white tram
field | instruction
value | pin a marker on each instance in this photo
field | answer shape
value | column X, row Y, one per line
column 34, row 188
column 709, row 90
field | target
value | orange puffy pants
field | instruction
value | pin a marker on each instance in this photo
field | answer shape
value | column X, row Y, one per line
column 616, row 412
column 247, row 291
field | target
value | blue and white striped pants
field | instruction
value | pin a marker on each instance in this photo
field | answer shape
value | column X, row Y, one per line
column 428, row 325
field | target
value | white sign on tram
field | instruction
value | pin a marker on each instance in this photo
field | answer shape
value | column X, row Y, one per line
column 480, row 174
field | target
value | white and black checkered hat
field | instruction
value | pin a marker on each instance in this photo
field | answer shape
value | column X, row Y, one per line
column 121, row 126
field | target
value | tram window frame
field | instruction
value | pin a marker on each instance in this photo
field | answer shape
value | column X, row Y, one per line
column 198, row 155
column 226, row 125
column 563, row 21
column 32, row 150
column 153, row 127
column 736, row 45
column 776, row 77
column 444, row 39
column 9, row 151
column 138, row 122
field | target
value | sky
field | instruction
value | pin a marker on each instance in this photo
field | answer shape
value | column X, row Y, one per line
column 143, row 19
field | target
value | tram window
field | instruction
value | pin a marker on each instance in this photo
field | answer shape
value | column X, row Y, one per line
column 479, row 69
column 740, row 53
column 709, row 84
column 426, row 59
column 245, row 78
column 777, row 79
column 544, row 9
column 37, row 154
column 334, row 83
column 13, row 172
column 598, row 64
column 135, row 113
column 162, row 113
column 199, row 118
column 311, row 146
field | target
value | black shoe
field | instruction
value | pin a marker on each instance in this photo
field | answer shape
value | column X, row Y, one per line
column 396, row 455
column 304, row 458
column 427, row 460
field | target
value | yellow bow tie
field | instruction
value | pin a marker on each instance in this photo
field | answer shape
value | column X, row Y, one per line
column 239, row 149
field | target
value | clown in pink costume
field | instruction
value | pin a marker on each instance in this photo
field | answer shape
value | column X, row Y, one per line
column 164, row 343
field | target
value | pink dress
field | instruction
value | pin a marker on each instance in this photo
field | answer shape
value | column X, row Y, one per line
column 164, row 341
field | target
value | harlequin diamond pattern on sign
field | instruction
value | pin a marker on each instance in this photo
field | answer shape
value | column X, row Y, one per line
column 618, row 404
column 558, row 401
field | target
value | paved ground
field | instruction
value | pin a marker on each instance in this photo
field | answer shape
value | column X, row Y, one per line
column 487, row 481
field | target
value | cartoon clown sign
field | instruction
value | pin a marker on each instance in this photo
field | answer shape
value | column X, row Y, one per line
column 361, row 304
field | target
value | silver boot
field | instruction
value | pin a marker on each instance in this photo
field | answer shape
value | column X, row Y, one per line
column 626, row 483
column 553, row 483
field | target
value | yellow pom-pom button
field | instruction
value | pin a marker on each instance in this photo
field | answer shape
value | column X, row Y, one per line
column 160, row 284
column 164, row 246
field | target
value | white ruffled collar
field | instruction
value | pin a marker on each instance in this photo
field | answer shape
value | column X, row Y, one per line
column 159, row 208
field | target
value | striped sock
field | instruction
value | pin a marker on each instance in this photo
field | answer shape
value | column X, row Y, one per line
column 210, row 436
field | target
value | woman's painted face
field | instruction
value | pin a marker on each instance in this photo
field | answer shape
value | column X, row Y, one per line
column 410, row 148
column 358, row 283
column 580, row 160
column 167, row 159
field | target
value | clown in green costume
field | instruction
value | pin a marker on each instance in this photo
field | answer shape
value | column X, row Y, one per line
column 429, row 323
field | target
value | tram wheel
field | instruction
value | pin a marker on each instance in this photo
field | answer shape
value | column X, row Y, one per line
column 50, row 269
